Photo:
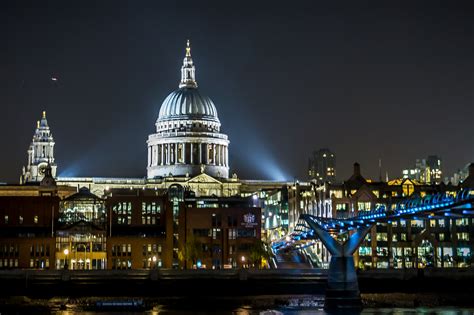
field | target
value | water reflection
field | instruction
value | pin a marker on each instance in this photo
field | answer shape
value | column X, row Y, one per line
column 245, row 310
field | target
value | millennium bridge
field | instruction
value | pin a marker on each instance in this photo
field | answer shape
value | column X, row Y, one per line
column 342, row 289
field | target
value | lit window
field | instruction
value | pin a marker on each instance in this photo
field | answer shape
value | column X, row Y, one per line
column 363, row 206
column 463, row 236
column 336, row 193
column 341, row 206
column 462, row 222
column 232, row 234
column 417, row 223
column 35, row 219
column 463, row 251
column 20, row 219
column 382, row 251
column 365, row 251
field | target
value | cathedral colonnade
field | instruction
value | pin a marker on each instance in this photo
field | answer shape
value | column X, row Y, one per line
column 195, row 153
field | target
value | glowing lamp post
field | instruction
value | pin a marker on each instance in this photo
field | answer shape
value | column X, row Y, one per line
column 243, row 261
column 66, row 253
column 154, row 262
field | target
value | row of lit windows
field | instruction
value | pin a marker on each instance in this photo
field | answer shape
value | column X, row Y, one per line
column 39, row 263
column 118, row 263
column 150, row 208
column 149, row 249
column 233, row 234
column 150, row 263
column 122, row 250
column 39, row 250
column 149, row 219
column 9, row 250
column 408, row 251
column 9, row 263
column 122, row 208
column 124, row 219
column 381, row 236
column 146, row 219
column 20, row 219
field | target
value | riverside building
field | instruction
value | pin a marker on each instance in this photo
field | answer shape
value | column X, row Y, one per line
column 417, row 243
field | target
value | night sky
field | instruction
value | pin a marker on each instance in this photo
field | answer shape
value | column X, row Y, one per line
column 369, row 82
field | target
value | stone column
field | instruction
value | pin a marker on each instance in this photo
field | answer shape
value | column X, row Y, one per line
column 168, row 154
column 162, row 149
column 200, row 153
column 227, row 156
column 191, row 155
column 149, row 156
column 184, row 153
column 214, row 154
column 176, row 153
column 159, row 152
column 222, row 155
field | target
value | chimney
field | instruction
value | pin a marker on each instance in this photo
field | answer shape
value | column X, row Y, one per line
column 356, row 169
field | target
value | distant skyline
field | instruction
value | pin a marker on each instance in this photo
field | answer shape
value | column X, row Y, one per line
column 368, row 80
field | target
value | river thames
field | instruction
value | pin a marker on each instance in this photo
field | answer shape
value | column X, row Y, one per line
column 291, row 311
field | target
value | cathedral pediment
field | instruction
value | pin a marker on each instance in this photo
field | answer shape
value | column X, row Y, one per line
column 203, row 178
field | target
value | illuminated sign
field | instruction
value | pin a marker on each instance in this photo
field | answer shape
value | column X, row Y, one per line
column 249, row 220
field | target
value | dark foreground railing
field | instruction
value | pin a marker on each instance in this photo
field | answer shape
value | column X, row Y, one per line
column 162, row 282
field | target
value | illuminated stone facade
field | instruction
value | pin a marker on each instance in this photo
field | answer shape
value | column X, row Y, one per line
column 187, row 141
column 40, row 154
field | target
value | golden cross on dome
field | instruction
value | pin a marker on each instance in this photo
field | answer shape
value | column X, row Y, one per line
column 188, row 49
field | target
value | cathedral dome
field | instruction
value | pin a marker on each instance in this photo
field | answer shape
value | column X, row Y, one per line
column 188, row 140
column 187, row 103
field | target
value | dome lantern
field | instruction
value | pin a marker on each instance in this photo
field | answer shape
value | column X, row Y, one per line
column 188, row 71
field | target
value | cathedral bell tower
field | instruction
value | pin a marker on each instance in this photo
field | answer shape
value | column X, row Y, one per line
column 40, row 154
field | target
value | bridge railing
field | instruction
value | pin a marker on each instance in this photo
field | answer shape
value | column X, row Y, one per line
column 384, row 213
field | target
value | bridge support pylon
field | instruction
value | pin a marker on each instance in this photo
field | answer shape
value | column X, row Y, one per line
column 342, row 291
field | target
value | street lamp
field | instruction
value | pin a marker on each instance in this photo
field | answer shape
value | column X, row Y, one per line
column 243, row 261
column 66, row 252
column 154, row 262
